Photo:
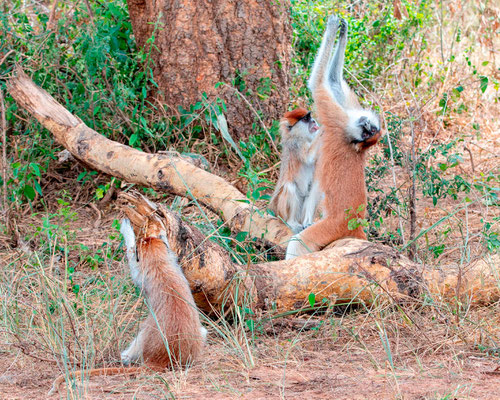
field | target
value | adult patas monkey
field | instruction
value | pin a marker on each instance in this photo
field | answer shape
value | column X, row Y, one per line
column 298, row 159
column 347, row 131
column 172, row 335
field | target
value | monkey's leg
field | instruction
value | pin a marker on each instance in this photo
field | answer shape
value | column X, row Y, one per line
column 131, row 251
column 336, row 67
column 288, row 206
column 311, row 204
column 135, row 348
column 319, row 71
column 317, row 236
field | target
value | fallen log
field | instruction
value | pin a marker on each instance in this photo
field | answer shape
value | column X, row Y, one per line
column 166, row 173
column 348, row 271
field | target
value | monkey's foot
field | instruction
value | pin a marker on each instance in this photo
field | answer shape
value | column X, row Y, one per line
column 133, row 352
column 333, row 22
column 296, row 247
column 127, row 358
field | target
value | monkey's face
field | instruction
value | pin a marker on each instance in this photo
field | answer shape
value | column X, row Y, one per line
column 310, row 123
column 363, row 130
column 369, row 126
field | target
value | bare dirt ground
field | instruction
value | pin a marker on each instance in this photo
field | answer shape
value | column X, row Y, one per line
column 322, row 373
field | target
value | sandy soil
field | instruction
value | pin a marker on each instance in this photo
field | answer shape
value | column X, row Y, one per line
column 321, row 372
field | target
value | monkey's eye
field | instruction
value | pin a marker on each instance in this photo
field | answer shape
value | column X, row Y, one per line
column 306, row 118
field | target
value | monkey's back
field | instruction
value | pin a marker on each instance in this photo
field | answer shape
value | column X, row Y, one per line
column 173, row 329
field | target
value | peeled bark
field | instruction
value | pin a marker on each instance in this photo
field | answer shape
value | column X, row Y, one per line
column 167, row 173
column 348, row 271
column 200, row 43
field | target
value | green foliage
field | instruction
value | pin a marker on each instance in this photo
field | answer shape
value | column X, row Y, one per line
column 376, row 37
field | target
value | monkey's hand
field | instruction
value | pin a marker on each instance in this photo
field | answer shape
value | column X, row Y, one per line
column 343, row 26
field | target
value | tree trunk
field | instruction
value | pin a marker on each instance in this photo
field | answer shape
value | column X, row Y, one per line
column 167, row 173
column 201, row 43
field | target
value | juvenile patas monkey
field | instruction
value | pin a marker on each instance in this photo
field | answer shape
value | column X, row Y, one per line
column 298, row 159
column 347, row 131
column 172, row 334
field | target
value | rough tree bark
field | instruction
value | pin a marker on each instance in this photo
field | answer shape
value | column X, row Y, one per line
column 349, row 270
column 201, row 43
column 168, row 173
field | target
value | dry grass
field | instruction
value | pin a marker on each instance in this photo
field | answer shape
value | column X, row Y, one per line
column 360, row 353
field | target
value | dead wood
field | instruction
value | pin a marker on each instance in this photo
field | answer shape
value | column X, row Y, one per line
column 348, row 271
column 163, row 172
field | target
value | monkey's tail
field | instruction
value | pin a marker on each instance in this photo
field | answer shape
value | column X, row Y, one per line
column 99, row 372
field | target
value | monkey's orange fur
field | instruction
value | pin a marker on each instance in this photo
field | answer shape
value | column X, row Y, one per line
column 176, row 320
column 293, row 116
column 171, row 335
column 340, row 171
column 347, row 131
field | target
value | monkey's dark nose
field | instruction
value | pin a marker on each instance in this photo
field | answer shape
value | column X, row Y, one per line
column 369, row 130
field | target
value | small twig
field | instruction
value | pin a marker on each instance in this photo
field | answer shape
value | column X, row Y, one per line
column 471, row 159
column 109, row 195
column 89, row 9
column 98, row 212
column 412, row 190
column 5, row 207
column 52, row 16
column 21, row 346
column 5, row 56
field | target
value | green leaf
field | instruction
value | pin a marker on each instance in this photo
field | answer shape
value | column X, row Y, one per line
column 38, row 188
column 484, row 83
column 250, row 324
column 81, row 175
column 312, row 299
column 29, row 192
column 133, row 139
column 360, row 208
column 352, row 224
column 36, row 169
